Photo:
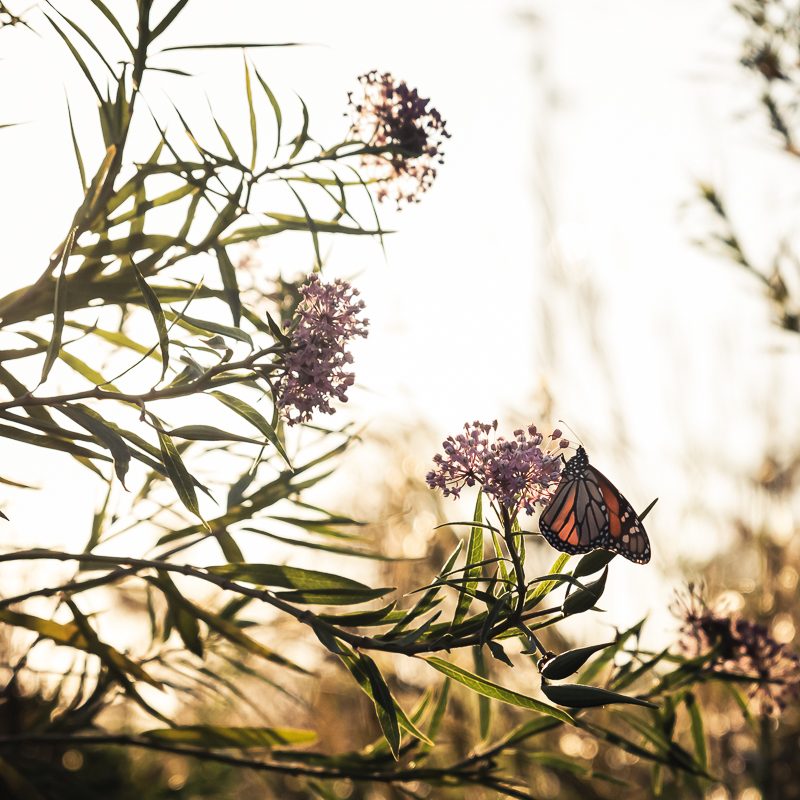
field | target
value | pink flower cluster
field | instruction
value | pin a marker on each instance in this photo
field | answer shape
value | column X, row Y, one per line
column 740, row 647
column 314, row 364
column 393, row 116
column 517, row 473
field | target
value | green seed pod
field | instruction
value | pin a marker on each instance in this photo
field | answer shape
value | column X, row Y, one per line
column 584, row 599
column 592, row 562
column 566, row 664
column 575, row 695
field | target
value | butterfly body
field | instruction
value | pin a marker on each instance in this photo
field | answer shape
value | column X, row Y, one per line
column 587, row 511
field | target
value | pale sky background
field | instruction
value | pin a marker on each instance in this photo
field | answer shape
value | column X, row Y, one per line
column 604, row 112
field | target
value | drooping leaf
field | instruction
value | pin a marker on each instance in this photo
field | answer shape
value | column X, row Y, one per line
column 247, row 412
column 176, row 470
column 698, row 729
column 91, row 421
column 275, row 108
column 184, row 621
column 59, row 306
column 356, row 664
column 230, row 285
column 70, row 635
column 493, row 690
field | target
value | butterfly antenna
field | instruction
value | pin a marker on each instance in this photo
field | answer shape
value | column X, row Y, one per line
column 578, row 438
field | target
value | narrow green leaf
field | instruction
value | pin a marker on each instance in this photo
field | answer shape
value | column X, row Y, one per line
column 225, row 139
column 248, row 86
column 275, row 108
column 233, row 633
column 358, row 665
column 229, row 46
column 439, row 710
column 384, row 704
column 484, row 705
column 253, row 417
column 184, row 621
column 220, row 736
column 542, row 589
column 359, row 618
column 698, row 730
column 17, row 389
column 204, row 325
column 51, row 442
column 230, row 285
column 177, row 472
column 474, row 556
column 168, row 19
column 76, row 148
column 86, row 38
column 115, row 22
column 494, row 691
column 208, row 433
column 87, row 73
column 310, row 225
column 91, row 421
column 154, row 307
column 301, row 137
column 75, row 363
column 287, row 577
column 59, row 306
column 309, row 586
column 70, row 635
column 625, row 680
column 229, row 547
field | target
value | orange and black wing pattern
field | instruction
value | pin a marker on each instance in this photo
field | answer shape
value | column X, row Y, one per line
column 587, row 511
column 575, row 519
column 626, row 534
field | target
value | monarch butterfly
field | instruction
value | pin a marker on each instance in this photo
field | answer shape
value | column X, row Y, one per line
column 588, row 511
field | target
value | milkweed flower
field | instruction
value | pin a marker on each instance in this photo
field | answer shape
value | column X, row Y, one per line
column 518, row 473
column 391, row 115
column 314, row 364
column 740, row 647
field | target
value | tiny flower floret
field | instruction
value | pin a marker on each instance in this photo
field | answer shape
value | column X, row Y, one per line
column 393, row 117
column 517, row 473
column 314, row 363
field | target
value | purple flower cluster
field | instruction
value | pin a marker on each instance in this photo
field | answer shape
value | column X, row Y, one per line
column 741, row 647
column 393, row 116
column 517, row 473
column 314, row 364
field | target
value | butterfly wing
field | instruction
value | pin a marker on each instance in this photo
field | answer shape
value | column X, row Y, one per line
column 625, row 534
column 575, row 520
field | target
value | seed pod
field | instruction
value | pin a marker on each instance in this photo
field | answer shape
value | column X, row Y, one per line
column 566, row 664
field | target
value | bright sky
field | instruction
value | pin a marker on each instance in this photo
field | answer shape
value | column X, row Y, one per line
column 603, row 112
